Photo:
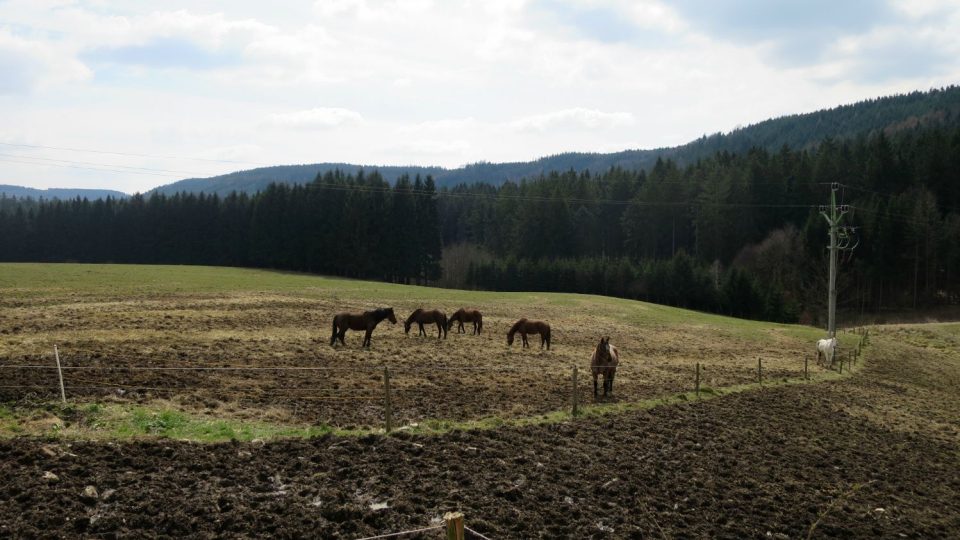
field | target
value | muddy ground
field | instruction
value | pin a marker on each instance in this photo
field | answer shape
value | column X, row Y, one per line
column 870, row 456
column 460, row 378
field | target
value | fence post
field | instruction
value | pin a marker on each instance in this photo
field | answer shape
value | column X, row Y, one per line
column 806, row 374
column 454, row 525
column 63, row 393
column 386, row 399
column 697, row 384
column 759, row 371
column 576, row 396
column 841, row 364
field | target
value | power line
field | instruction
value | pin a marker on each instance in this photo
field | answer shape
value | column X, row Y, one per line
column 87, row 168
column 540, row 198
column 21, row 156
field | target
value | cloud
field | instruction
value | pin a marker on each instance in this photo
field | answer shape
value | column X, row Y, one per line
column 316, row 118
column 897, row 53
column 573, row 119
column 432, row 148
column 795, row 32
column 27, row 65
column 167, row 53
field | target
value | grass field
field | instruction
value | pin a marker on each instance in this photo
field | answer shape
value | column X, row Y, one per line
column 116, row 317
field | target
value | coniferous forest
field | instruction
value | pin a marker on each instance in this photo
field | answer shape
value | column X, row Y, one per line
column 734, row 233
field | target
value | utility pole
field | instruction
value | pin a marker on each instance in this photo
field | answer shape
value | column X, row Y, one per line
column 840, row 239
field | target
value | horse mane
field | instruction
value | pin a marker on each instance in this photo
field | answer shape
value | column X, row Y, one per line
column 516, row 326
column 381, row 312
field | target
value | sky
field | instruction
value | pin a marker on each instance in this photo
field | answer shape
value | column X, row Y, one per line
column 129, row 95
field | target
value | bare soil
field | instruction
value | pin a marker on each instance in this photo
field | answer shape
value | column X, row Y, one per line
column 459, row 378
column 870, row 456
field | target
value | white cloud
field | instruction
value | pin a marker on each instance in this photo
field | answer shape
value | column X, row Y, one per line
column 574, row 119
column 432, row 148
column 316, row 118
column 30, row 64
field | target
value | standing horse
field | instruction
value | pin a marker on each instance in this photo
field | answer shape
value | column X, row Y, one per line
column 828, row 348
column 530, row 327
column 604, row 362
column 368, row 320
column 467, row 315
column 421, row 316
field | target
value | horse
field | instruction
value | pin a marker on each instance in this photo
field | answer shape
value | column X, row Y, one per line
column 828, row 348
column 604, row 362
column 530, row 327
column 421, row 316
column 368, row 320
column 467, row 315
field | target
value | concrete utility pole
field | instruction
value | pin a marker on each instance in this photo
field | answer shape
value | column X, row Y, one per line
column 834, row 214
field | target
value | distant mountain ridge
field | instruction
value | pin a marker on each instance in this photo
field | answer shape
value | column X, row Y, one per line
column 905, row 111
column 21, row 192
column 936, row 107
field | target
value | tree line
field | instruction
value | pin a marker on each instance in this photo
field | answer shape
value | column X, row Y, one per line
column 341, row 224
column 736, row 233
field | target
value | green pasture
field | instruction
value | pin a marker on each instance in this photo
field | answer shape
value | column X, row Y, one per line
column 54, row 284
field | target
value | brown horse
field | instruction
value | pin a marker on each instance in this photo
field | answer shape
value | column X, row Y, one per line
column 604, row 362
column 530, row 327
column 466, row 315
column 368, row 320
column 421, row 316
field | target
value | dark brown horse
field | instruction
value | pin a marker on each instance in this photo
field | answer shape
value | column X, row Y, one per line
column 368, row 320
column 467, row 315
column 421, row 316
column 530, row 327
column 604, row 362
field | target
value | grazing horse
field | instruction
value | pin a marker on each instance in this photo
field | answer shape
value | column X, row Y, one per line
column 466, row 315
column 828, row 348
column 368, row 320
column 604, row 362
column 421, row 316
column 530, row 327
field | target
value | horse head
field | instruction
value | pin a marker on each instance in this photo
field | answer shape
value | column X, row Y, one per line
column 390, row 316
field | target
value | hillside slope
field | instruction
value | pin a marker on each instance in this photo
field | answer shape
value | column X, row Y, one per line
column 917, row 109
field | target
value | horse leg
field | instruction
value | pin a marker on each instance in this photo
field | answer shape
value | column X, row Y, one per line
column 343, row 332
column 366, row 337
column 333, row 336
column 439, row 330
column 594, row 385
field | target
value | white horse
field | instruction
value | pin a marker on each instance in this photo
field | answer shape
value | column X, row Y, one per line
column 828, row 348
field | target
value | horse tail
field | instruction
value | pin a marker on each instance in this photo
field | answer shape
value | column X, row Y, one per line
column 333, row 336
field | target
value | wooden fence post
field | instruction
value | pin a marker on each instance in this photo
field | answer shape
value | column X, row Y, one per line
column 698, row 381
column 576, row 396
column 806, row 374
column 388, row 413
column 63, row 393
column 841, row 364
column 454, row 525
column 759, row 371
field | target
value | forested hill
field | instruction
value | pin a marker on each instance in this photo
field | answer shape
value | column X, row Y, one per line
column 58, row 193
column 891, row 114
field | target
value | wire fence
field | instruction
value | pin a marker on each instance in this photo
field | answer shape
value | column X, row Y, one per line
column 423, row 388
